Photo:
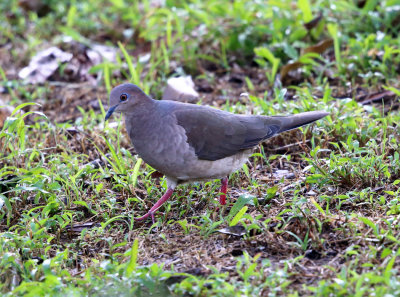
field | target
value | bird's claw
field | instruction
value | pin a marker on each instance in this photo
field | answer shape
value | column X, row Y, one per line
column 156, row 206
column 149, row 214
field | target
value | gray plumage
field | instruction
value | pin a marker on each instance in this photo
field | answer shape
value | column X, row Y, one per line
column 188, row 142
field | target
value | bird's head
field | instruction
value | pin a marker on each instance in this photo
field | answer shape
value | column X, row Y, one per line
column 125, row 98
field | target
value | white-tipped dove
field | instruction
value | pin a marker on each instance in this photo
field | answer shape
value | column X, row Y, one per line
column 188, row 142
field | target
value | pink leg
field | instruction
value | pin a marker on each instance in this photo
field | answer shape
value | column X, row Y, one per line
column 224, row 188
column 156, row 206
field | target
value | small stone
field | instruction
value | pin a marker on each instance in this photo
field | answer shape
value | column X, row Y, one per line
column 180, row 89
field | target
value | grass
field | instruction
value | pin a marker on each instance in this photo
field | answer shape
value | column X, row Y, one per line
column 71, row 184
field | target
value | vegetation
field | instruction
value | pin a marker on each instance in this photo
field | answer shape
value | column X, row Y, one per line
column 325, row 224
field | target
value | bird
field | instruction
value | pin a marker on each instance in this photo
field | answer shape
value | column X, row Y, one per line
column 189, row 142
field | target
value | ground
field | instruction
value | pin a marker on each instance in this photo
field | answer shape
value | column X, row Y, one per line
column 315, row 211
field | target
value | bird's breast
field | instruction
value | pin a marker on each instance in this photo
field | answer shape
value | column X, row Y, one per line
column 162, row 144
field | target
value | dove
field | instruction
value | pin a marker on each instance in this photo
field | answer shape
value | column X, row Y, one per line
column 189, row 142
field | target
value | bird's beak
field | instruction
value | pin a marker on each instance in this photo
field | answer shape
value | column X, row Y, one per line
column 110, row 112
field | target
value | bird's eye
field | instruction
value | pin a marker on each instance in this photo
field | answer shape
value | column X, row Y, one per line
column 123, row 97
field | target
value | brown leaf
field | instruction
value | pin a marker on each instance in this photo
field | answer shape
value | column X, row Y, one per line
column 290, row 67
column 314, row 22
column 38, row 6
column 361, row 3
column 320, row 47
column 374, row 53
column 369, row 98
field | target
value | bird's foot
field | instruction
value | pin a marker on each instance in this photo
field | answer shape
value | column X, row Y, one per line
column 156, row 206
column 149, row 214
column 224, row 188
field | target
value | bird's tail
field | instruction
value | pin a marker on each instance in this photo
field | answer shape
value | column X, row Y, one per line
column 294, row 121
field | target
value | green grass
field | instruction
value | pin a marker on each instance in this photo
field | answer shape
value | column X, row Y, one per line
column 67, row 225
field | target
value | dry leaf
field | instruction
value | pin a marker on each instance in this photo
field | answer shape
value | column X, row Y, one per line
column 314, row 22
column 379, row 96
column 44, row 64
column 319, row 48
column 237, row 230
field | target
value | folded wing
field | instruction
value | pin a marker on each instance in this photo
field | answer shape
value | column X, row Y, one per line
column 216, row 134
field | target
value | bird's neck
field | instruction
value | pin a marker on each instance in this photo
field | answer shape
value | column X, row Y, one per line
column 141, row 117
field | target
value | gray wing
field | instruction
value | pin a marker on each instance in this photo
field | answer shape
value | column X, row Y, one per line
column 215, row 134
